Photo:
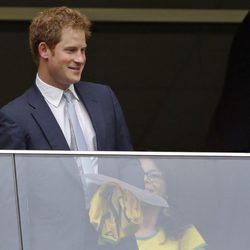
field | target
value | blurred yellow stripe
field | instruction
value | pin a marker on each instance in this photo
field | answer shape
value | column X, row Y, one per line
column 136, row 15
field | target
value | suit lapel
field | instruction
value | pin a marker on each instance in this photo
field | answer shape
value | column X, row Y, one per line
column 49, row 126
column 51, row 131
column 46, row 120
column 92, row 106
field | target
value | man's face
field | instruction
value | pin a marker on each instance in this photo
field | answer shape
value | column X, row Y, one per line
column 66, row 61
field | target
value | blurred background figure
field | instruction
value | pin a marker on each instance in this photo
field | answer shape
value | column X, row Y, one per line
column 164, row 228
column 229, row 130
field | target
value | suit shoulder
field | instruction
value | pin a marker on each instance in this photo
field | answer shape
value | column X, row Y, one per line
column 94, row 88
column 96, row 85
column 16, row 106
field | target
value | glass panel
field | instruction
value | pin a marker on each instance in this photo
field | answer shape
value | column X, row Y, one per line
column 51, row 203
column 192, row 202
column 212, row 194
column 9, row 230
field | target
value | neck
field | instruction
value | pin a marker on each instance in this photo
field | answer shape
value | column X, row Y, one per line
column 150, row 218
column 44, row 76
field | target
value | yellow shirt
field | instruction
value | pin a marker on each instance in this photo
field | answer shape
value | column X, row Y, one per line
column 191, row 240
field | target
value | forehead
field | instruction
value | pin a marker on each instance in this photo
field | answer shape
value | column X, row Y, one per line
column 70, row 35
column 148, row 165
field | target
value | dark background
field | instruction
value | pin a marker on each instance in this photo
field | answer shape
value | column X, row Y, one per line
column 193, row 4
column 167, row 76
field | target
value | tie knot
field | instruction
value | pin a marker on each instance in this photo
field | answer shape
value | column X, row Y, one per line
column 68, row 95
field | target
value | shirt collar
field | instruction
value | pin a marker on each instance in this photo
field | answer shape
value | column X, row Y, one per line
column 72, row 89
column 52, row 94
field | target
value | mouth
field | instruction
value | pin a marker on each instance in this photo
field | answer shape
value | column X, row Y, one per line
column 76, row 69
column 150, row 190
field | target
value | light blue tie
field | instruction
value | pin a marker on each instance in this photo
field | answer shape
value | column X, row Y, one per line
column 78, row 141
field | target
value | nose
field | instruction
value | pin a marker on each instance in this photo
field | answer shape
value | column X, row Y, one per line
column 146, row 179
column 80, row 57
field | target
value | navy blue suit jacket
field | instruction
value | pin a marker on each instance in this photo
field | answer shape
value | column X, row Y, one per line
column 42, row 132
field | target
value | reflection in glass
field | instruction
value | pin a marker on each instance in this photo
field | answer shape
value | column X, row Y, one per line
column 207, row 197
column 163, row 228
column 9, row 222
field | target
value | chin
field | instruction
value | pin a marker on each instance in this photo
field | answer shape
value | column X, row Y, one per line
column 73, row 80
column 77, row 80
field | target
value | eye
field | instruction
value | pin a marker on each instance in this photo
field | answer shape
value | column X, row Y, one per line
column 153, row 175
column 70, row 50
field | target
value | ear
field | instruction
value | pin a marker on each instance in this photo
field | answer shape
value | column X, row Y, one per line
column 43, row 50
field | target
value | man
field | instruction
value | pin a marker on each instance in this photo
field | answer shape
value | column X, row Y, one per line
column 44, row 115
column 58, row 44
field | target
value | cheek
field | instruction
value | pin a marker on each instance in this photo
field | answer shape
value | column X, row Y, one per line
column 161, row 189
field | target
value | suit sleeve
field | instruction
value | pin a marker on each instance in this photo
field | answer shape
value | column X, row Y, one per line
column 11, row 136
column 123, row 141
